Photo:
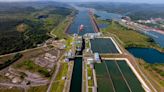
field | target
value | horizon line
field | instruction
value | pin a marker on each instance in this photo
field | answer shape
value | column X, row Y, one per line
column 80, row 2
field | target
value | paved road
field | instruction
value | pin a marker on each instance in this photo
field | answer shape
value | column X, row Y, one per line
column 67, row 80
column 20, row 85
column 53, row 77
column 22, row 51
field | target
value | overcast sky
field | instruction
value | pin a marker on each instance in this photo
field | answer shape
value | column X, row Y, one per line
column 132, row 1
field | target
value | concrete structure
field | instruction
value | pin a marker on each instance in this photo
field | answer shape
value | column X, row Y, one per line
column 16, row 80
column 70, row 54
column 97, row 58
column 78, row 43
column 90, row 60
column 92, row 35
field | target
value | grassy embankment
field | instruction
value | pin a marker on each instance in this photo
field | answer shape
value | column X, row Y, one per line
column 59, row 31
column 38, row 89
column 155, row 73
column 90, row 74
column 58, row 84
column 11, row 90
column 128, row 37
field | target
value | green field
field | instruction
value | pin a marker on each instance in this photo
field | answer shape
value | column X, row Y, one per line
column 38, row 89
column 58, row 83
column 10, row 90
column 59, row 31
column 155, row 70
column 57, row 86
column 90, row 74
column 63, row 71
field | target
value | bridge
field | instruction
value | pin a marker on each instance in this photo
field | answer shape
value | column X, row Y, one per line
column 78, row 55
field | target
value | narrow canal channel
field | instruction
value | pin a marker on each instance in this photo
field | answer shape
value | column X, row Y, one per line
column 76, row 82
column 81, row 18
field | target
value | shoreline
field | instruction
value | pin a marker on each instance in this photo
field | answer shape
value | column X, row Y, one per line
column 93, row 21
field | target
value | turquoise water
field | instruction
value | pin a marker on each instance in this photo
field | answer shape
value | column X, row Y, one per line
column 147, row 54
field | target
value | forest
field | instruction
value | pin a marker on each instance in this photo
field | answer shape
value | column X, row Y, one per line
column 25, row 25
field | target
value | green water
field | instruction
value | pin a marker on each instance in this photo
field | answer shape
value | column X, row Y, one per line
column 103, row 45
column 132, row 80
column 118, row 81
column 76, row 81
column 104, row 79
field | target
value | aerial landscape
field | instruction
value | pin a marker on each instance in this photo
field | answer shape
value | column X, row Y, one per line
column 81, row 46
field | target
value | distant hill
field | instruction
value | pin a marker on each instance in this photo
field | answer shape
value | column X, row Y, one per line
column 135, row 11
column 37, row 5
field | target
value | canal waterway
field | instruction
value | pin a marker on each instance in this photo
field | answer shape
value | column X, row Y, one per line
column 81, row 18
column 76, row 81
column 147, row 54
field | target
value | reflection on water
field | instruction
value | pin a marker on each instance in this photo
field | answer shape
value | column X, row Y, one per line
column 81, row 18
column 103, row 15
column 148, row 54
column 102, row 25
column 159, row 38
